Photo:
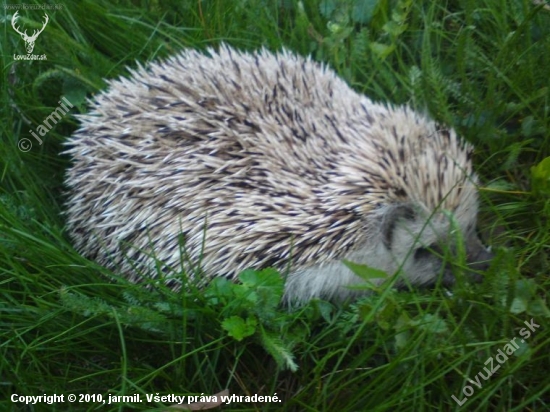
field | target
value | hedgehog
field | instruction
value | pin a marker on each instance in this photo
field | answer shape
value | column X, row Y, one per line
column 261, row 159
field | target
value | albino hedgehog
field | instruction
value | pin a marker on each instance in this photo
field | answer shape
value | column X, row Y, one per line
column 263, row 160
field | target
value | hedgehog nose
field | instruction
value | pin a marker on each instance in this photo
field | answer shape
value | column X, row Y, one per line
column 480, row 263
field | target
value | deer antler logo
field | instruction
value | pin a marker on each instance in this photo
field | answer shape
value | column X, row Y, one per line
column 29, row 40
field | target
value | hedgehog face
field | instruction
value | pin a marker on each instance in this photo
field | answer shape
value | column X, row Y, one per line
column 422, row 247
column 426, row 247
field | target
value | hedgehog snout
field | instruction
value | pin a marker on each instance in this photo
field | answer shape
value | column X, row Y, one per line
column 479, row 259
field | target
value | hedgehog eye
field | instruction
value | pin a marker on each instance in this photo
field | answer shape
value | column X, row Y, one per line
column 421, row 253
column 424, row 252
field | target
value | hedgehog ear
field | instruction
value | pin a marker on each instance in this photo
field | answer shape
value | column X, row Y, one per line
column 395, row 214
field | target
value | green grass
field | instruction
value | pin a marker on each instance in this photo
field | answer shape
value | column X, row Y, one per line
column 68, row 326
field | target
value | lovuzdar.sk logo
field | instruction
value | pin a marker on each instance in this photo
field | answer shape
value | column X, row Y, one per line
column 29, row 40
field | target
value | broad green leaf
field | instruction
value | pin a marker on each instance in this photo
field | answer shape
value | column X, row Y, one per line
column 540, row 177
column 366, row 272
column 238, row 328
